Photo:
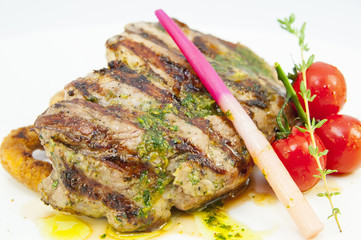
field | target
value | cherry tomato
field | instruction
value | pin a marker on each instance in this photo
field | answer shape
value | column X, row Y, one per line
column 294, row 153
column 328, row 83
column 341, row 135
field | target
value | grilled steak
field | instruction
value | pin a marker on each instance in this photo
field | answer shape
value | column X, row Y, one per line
column 133, row 140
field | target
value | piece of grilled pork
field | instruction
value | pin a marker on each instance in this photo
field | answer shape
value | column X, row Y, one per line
column 134, row 139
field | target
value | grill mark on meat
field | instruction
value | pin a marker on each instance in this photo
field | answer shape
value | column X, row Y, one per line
column 238, row 160
column 200, row 123
column 72, row 122
column 188, row 80
column 115, row 160
column 78, row 131
column 183, row 75
column 122, row 73
column 142, row 83
column 201, row 44
column 76, row 182
column 204, row 125
column 64, row 119
column 83, row 87
column 176, row 71
column 186, row 146
column 140, row 50
column 117, row 112
column 205, row 162
column 119, row 202
column 206, row 43
column 147, row 34
column 257, row 103
column 195, row 155
column 261, row 100
column 97, row 139
column 110, row 152
column 141, row 32
column 259, row 91
column 191, row 83
column 107, row 145
column 152, row 58
column 117, row 71
column 114, row 46
column 129, row 165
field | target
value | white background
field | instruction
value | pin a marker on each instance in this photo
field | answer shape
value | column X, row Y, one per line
column 46, row 44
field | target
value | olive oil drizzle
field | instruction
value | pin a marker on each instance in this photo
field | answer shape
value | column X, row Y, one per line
column 215, row 223
column 64, row 226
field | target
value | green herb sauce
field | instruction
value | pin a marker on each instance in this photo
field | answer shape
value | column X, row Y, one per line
column 92, row 98
column 216, row 224
column 200, row 105
column 55, row 184
column 193, row 177
column 154, row 145
column 241, row 63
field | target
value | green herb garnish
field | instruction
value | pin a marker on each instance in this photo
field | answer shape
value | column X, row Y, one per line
column 310, row 125
column 55, row 183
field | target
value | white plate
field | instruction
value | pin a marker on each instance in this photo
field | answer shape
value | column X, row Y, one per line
column 45, row 45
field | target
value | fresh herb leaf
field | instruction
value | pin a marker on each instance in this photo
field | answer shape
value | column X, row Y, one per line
column 301, row 129
column 146, row 198
column 320, row 123
column 55, row 184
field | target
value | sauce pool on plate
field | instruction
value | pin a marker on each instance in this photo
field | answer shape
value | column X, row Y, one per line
column 212, row 222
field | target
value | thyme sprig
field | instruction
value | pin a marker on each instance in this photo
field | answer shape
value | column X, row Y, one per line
column 284, row 129
column 310, row 125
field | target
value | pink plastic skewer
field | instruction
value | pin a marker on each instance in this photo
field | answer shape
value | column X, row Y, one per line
column 201, row 66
